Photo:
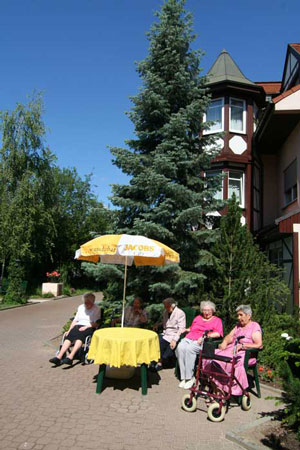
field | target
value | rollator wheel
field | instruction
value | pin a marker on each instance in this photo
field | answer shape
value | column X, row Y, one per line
column 246, row 402
column 189, row 404
column 214, row 414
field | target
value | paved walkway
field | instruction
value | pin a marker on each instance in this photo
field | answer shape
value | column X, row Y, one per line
column 46, row 408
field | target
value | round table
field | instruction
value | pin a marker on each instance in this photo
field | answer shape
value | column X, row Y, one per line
column 124, row 346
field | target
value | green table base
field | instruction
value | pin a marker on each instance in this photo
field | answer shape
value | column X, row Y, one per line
column 101, row 375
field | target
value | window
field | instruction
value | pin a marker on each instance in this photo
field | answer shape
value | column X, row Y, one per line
column 217, row 183
column 291, row 69
column 215, row 113
column 275, row 253
column 290, row 183
column 236, row 186
column 237, row 115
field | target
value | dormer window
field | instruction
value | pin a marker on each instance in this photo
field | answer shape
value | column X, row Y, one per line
column 237, row 116
column 215, row 114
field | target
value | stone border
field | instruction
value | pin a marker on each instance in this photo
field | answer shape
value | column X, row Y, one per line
column 271, row 389
column 35, row 301
column 16, row 306
column 235, row 437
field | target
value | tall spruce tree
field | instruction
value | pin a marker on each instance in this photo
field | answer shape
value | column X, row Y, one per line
column 168, row 196
column 242, row 273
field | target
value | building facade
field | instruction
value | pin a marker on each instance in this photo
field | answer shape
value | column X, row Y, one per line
column 234, row 106
column 260, row 155
column 276, row 152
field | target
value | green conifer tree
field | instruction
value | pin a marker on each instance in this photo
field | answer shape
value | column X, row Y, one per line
column 242, row 273
column 168, row 196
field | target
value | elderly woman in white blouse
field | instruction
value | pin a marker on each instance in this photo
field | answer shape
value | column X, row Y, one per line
column 83, row 325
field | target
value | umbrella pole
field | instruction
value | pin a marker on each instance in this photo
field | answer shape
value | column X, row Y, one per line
column 124, row 291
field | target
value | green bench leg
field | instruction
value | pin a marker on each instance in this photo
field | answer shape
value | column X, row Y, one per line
column 100, row 378
column 255, row 373
column 144, row 378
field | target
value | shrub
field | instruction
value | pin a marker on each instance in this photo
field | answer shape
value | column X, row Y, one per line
column 15, row 291
column 47, row 295
column 290, row 397
column 112, row 309
column 242, row 274
column 277, row 348
column 66, row 326
column 67, row 290
column 289, row 372
column 154, row 314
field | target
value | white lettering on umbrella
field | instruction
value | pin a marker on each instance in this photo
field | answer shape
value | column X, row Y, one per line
column 138, row 246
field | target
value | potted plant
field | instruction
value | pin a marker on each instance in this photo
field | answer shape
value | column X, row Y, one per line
column 52, row 286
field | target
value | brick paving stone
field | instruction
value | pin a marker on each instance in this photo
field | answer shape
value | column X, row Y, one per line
column 52, row 447
column 42, row 405
column 6, row 445
column 27, row 446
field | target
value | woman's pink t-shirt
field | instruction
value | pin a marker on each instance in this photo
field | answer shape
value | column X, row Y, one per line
column 200, row 325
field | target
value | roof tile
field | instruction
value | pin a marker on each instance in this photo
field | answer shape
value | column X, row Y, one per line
column 296, row 47
column 270, row 87
column 286, row 93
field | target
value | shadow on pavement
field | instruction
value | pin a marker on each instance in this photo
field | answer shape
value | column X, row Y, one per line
column 133, row 383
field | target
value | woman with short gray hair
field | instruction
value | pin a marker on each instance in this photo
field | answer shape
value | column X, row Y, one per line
column 250, row 337
column 245, row 309
column 189, row 347
column 208, row 304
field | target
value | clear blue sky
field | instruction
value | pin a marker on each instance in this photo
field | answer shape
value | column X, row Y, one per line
column 81, row 54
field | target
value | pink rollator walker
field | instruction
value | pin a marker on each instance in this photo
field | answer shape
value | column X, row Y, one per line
column 205, row 387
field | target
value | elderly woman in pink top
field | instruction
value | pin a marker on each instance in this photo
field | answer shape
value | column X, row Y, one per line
column 189, row 347
column 252, row 339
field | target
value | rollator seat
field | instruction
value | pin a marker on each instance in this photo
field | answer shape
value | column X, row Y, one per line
column 209, row 352
column 218, row 357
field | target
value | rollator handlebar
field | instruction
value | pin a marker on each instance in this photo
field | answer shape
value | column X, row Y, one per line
column 206, row 333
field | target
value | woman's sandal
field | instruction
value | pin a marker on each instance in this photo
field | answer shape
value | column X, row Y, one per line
column 67, row 361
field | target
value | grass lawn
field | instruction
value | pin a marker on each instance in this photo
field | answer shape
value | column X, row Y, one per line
column 9, row 305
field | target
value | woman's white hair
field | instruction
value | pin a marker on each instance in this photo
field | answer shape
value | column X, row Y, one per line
column 245, row 308
column 89, row 295
column 208, row 303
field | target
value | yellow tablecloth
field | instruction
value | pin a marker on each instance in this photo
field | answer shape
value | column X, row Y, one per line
column 124, row 346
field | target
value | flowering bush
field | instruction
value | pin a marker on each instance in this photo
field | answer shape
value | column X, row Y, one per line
column 279, row 336
column 53, row 276
column 266, row 374
column 283, row 354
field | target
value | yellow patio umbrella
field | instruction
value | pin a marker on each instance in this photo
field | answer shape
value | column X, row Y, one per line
column 127, row 249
